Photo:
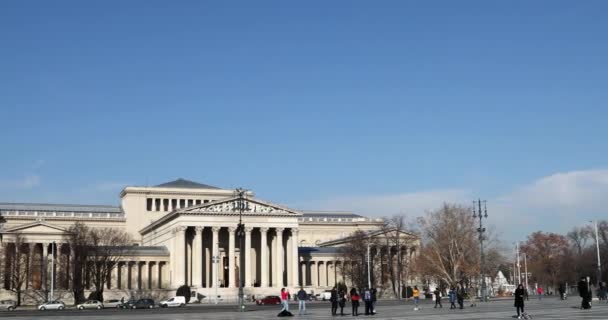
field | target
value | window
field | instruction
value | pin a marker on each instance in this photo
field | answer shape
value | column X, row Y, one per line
column 149, row 204
column 166, row 204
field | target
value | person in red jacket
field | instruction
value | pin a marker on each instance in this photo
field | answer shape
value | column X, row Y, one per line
column 285, row 299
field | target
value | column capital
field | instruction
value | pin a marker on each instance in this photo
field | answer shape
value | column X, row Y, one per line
column 232, row 229
column 248, row 229
column 279, row 230
column 264, row 229
column 179, row 229
column 215, row 229
column 199, row 229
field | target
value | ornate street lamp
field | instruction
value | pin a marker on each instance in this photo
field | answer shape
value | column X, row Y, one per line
column 240, row 232
column 479, row 214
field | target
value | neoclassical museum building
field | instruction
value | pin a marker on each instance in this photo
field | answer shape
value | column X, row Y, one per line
column 185, row 233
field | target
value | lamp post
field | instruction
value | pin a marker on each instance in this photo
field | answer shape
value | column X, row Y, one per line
column 53, row 245
column 241, row 194
column 479, row 214
column 599, row 264
column 369, row 278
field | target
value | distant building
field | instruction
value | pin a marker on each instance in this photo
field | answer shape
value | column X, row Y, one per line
column 179, row 226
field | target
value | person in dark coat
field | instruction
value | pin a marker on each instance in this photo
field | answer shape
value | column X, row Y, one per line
column 437, row 294
column 519, row 300
column 342, row 301
column 585, row 293
column 374, row 298
column 334, row 301
column 460, row 293
column 452, row 295
column 367, row 298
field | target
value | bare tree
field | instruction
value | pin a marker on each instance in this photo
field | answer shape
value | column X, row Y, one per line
column 396, row 235
column 16, row 265
column 355, row 254
column 450, row 249
column 97, row 252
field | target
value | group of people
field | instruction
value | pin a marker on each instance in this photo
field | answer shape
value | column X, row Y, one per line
column 338, row 298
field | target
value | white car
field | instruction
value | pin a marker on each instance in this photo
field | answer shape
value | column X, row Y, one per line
column 8, row 305
column 178, row 301
column 52, row 305
column 90, row 304
column 113, row 303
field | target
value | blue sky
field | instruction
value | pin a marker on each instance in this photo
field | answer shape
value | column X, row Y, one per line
column 381, row 108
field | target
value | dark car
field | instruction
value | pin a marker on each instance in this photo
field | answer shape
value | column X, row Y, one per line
column 269, row 300
column 140, row 304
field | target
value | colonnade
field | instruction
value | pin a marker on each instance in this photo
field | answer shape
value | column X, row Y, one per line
column 206, row 257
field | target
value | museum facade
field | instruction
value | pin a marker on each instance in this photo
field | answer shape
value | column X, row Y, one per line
column 186, row 233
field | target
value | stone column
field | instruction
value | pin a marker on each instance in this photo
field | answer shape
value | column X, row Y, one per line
column 124, row 273
column 180, row 255
column 30, row 257
column 279, row 258
column 303, row 273
column 314, row 274
column 247, row 279
column 44, row 265
column 231, row 257
column 264, row 257
column 197, row 257
column 114, row 277
column 295, row 264
column 215, row 255
column 208, row 266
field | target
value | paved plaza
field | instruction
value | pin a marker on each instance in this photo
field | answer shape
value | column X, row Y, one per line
column 549, row 308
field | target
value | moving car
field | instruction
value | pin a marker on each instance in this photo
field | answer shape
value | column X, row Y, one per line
column 90, row 304
column 269, row 300
column 52, row 305
column 8, row 305
column 112, row 303
column 326, row 295
column 141, row 304
column 178, row 301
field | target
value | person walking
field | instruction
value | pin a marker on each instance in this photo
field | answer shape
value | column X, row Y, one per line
column 301, row 301
column 374, row 293
column 367, row 298
column 561, row 291
column 437, row 294
column 519, row 300
column 460, row 294
column 539, row 292
column 285, row 299
column 416, row 296
column 342, row 301
column 452, row 296
column 354, row 300
column 333, row 298
column 585, row 293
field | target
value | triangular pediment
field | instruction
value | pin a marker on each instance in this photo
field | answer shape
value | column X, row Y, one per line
column 38, row 227
column 252, row 206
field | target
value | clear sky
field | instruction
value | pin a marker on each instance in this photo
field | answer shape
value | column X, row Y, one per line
column 380, row 107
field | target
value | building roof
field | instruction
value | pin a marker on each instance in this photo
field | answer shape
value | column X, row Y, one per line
column 329, row 214
column 5, row 206
column 147, row 251
column 184, row 184
column 318, row 250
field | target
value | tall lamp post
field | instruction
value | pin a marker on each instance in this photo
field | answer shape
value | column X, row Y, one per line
column 599, row 263
column 481, row 230
column 242, row 204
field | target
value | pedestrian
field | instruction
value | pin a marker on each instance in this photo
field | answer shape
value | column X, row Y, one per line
column 437, row 294
column 561, row 291
column 301, row 301
column 354, row 300
column 374, row 292
column 585, row 293
column 416, row 295
column 285, row 299
column 333, row 298
column 452, row 295
column 342, row 301
column 519, row 300
column 460, row 293
column 539, row 292
column 367, row 298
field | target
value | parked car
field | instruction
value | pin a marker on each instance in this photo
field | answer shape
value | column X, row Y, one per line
column 269, row 300
column 90, row 304
column 141, row 304
column 178, row 301
column 112, row 303
column 325, row 295
column 52, row 305
column 8, row 305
